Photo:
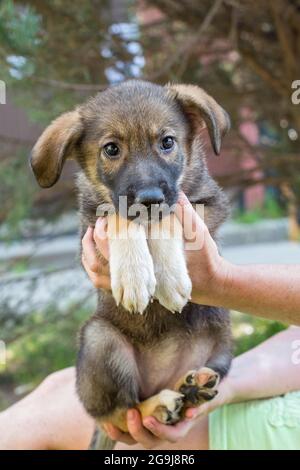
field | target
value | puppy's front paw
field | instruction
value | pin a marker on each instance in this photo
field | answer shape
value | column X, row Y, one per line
column 173, row 289
column 133, row 286
column 132, row 273
column 173, row 284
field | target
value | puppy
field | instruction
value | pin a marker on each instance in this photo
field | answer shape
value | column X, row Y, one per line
column 147, row 345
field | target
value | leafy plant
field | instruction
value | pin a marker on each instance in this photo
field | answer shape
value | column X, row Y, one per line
column 250, row 331
column 38, row 345
column 19, row 27
column 16, row 191
column 270, row 209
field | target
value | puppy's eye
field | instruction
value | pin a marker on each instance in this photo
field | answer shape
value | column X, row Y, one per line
column 167, row 143
column 111, row 150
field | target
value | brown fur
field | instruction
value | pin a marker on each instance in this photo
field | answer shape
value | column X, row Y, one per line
column 123, row 357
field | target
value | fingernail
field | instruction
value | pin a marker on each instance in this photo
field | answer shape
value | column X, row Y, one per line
column 149, row 423
column 182, row 199
column 100, row 227
column 191, row 413
column 99, row 222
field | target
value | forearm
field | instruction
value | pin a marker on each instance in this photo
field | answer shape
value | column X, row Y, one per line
column 261, row 290
column 268, row 291
column 51, row 417
column 270, row 369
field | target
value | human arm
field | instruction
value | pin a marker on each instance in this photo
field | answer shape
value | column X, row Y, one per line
column 49, row 418
column 270, row 291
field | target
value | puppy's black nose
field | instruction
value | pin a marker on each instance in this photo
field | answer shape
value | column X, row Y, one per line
column 149, row 196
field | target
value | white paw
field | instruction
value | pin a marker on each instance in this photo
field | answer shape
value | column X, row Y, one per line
column 171, row 404
column 132, row 272
column 174, row 293
column 133, row 286
column 173, row 284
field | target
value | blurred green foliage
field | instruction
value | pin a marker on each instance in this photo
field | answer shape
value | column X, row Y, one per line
column 16, row 191
column 19, row 29
column 249, row 331
column 271, row 209
column 46, row 47
column 37, row 344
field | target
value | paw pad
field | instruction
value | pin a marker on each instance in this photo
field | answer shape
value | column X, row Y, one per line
column 199, row 386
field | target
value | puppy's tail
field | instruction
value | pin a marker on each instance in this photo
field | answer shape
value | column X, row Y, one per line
column 101, row 441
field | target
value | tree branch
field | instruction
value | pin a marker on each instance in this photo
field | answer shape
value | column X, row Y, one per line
column 283, row 36
column 264, row 73
column 69, row 86
column 185, row 52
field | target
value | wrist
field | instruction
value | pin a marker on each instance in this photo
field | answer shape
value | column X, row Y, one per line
column 219, row 285
column 226, row 392
column 223, row 278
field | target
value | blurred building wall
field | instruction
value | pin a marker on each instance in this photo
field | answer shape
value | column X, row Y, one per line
column 15, row 127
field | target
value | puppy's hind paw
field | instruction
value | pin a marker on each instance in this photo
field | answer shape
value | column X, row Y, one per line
column 199, row 386
column 166, row 407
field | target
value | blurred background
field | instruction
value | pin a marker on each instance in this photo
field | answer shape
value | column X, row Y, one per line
column 54, row 55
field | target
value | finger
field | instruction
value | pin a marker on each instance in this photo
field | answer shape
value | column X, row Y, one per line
column 102, row 269
column 192, row 413
column 185, row 212
column 90, row 255
column 89, row 251
column 137, row 430
column 100, row 281
column 116, row 435
column 166, row 432
column 193, row 226
column 100, row 237
column 203, row 410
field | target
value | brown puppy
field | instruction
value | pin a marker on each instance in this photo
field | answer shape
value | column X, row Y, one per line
column 142, row 141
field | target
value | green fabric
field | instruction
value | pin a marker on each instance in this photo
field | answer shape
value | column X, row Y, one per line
column 272, row 424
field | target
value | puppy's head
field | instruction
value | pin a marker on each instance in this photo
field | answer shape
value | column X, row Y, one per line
column 132, row 140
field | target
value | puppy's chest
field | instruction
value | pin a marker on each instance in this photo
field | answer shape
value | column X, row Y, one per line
column 163, row 364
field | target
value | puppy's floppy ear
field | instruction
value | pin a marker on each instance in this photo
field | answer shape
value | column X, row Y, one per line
column 199, row 106
column 55, row 145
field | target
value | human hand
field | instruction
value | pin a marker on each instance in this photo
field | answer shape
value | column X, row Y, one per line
column 208, row 271
column 149, row 433
column 94, row 243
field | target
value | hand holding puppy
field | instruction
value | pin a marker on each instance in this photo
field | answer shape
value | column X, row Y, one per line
column 207, row 269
